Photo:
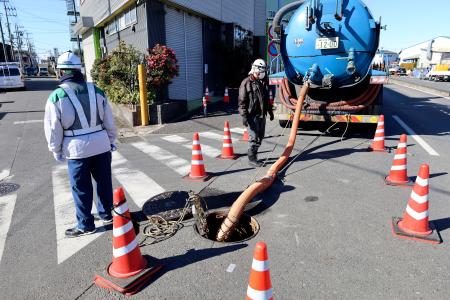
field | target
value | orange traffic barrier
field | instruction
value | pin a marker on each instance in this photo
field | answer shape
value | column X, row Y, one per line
column 415, row 224
column 227, row 148
column 245, row 136
column 378, row 140
column 399, row 170
column 259, row 284
column 207, row 94
column 198, row 172
column 129, row 270
column 226, row 98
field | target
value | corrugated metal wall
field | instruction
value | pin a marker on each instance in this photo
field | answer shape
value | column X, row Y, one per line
column 156, row 23
column 260, row 18
column 184, row 36
column 139, row 37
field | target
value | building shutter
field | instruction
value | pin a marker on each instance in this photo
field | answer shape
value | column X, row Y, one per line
column 175, row 33
column 194, row 51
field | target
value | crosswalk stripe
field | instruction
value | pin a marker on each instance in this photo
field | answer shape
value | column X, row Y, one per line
column 5, row 173
column 237, row 130
column 207, row 150
column 7, row 204
column 179, row 165
column 139, row 186
column 211, row 135
column 65, row 216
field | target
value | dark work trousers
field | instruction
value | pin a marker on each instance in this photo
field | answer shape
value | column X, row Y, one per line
column 80, row 172
column 256, row 131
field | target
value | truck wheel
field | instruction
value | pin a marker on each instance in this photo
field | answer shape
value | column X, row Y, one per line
column 285, row 123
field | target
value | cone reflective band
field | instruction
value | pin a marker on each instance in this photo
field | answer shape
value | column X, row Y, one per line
column 207, row 94
column 399, row 174
column 227, row 147
column 198, row 172
column 226, row 98
column 205, row 103
column 259, row 284
column 378, row 140
column 129, row 271
column 415, row 223
column 271, row 101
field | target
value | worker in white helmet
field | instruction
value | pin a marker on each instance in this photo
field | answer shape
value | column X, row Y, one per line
column 254, row 106
column 79, row 127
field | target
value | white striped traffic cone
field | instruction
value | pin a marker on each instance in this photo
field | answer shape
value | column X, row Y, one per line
column 399, row 169
column 259, row 284
column 227, row 147
column 378, row 140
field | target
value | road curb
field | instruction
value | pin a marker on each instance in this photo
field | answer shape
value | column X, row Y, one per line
column 420, row 87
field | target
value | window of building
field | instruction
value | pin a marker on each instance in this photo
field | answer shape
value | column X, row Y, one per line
column 111, row 27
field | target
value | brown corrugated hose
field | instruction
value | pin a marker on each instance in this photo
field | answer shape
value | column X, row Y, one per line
column 261, row 185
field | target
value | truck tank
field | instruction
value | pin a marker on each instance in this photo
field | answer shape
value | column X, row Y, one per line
column 332, row 44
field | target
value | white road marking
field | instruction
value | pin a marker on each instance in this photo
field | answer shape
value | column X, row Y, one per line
column 423, row 91
column 179, row 165
column 206, row 150
column 3, row 174
column 139, row 186
column 211, row 135
column 237, row 130
column 7, row 203
column 418, row 139
column 65, row 216
column 231, row 268
column 28, row 122
column 297, row 239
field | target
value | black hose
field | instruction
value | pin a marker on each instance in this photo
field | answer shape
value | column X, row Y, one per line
column 282, row 12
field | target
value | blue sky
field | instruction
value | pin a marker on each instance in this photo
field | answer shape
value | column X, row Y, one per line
column 408, row 21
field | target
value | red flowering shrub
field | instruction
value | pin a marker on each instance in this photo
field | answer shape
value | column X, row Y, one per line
column 161, row 66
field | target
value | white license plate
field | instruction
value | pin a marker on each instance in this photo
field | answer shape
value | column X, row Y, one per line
column 327, row 43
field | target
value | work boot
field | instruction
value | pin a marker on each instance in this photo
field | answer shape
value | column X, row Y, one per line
column 252, row 159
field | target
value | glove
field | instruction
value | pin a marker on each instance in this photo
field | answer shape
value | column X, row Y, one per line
column 59, row 157
column 271, row 116
column 244, row 121
column 113, row 147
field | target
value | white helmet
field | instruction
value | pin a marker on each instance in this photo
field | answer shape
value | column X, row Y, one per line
column 68, row 60
column 259, row 66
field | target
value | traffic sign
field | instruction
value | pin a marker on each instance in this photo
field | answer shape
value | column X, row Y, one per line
column 270, row 32
column 272, row 50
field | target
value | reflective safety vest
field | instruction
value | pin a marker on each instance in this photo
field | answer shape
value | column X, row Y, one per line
column 83, row 127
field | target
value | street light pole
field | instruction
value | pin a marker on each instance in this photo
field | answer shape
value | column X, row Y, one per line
column 3, row 40
column 76, row 20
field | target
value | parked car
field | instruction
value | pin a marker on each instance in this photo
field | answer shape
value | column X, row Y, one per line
column 43, row 71
column 401, row 72
column 11, row 77
column 30, row 71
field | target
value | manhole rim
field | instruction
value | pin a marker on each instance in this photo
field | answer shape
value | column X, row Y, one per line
column 225, row 212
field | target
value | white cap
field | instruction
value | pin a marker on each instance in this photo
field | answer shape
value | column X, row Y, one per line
column 68, row 60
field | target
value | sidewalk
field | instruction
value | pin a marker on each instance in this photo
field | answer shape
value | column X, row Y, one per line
column 441, row 88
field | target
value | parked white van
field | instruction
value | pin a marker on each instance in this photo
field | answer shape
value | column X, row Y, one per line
column 11, row 77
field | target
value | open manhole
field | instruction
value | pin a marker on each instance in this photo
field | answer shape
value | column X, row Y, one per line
column 247, row 228
column 169, row 205
column 7, row 187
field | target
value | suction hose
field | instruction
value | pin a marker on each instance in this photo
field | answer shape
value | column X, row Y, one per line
column 282, row 12
column 261, row 185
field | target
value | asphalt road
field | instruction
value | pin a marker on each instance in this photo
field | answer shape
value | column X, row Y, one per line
column 327, row 225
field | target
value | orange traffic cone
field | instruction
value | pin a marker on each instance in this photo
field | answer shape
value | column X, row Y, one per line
column 226, row 98
column 198, row 172
column 129, row 270
column 227, row 148
column 399, row 173
column 245, row 136
column 378, row 140
column 271, row 100
column 259, row 285
column 415, row 224
column 207, row 94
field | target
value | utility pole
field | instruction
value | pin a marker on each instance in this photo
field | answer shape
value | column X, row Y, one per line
column 19, row 46
column 8, row 14
column 76, row 20
column 3, row 40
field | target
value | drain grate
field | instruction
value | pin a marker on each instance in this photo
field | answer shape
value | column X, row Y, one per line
column 6, row 188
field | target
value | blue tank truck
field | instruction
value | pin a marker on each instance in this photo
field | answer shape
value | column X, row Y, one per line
column 331, row 43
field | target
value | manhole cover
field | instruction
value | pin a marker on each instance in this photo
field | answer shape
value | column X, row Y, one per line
column 6, row 188
column 168, row 205
column 247, row 228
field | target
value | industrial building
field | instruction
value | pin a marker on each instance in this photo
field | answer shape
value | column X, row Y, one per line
column 428, row 54
column 192, row 28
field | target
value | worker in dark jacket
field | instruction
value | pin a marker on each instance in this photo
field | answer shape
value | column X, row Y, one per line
column 254, row 106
